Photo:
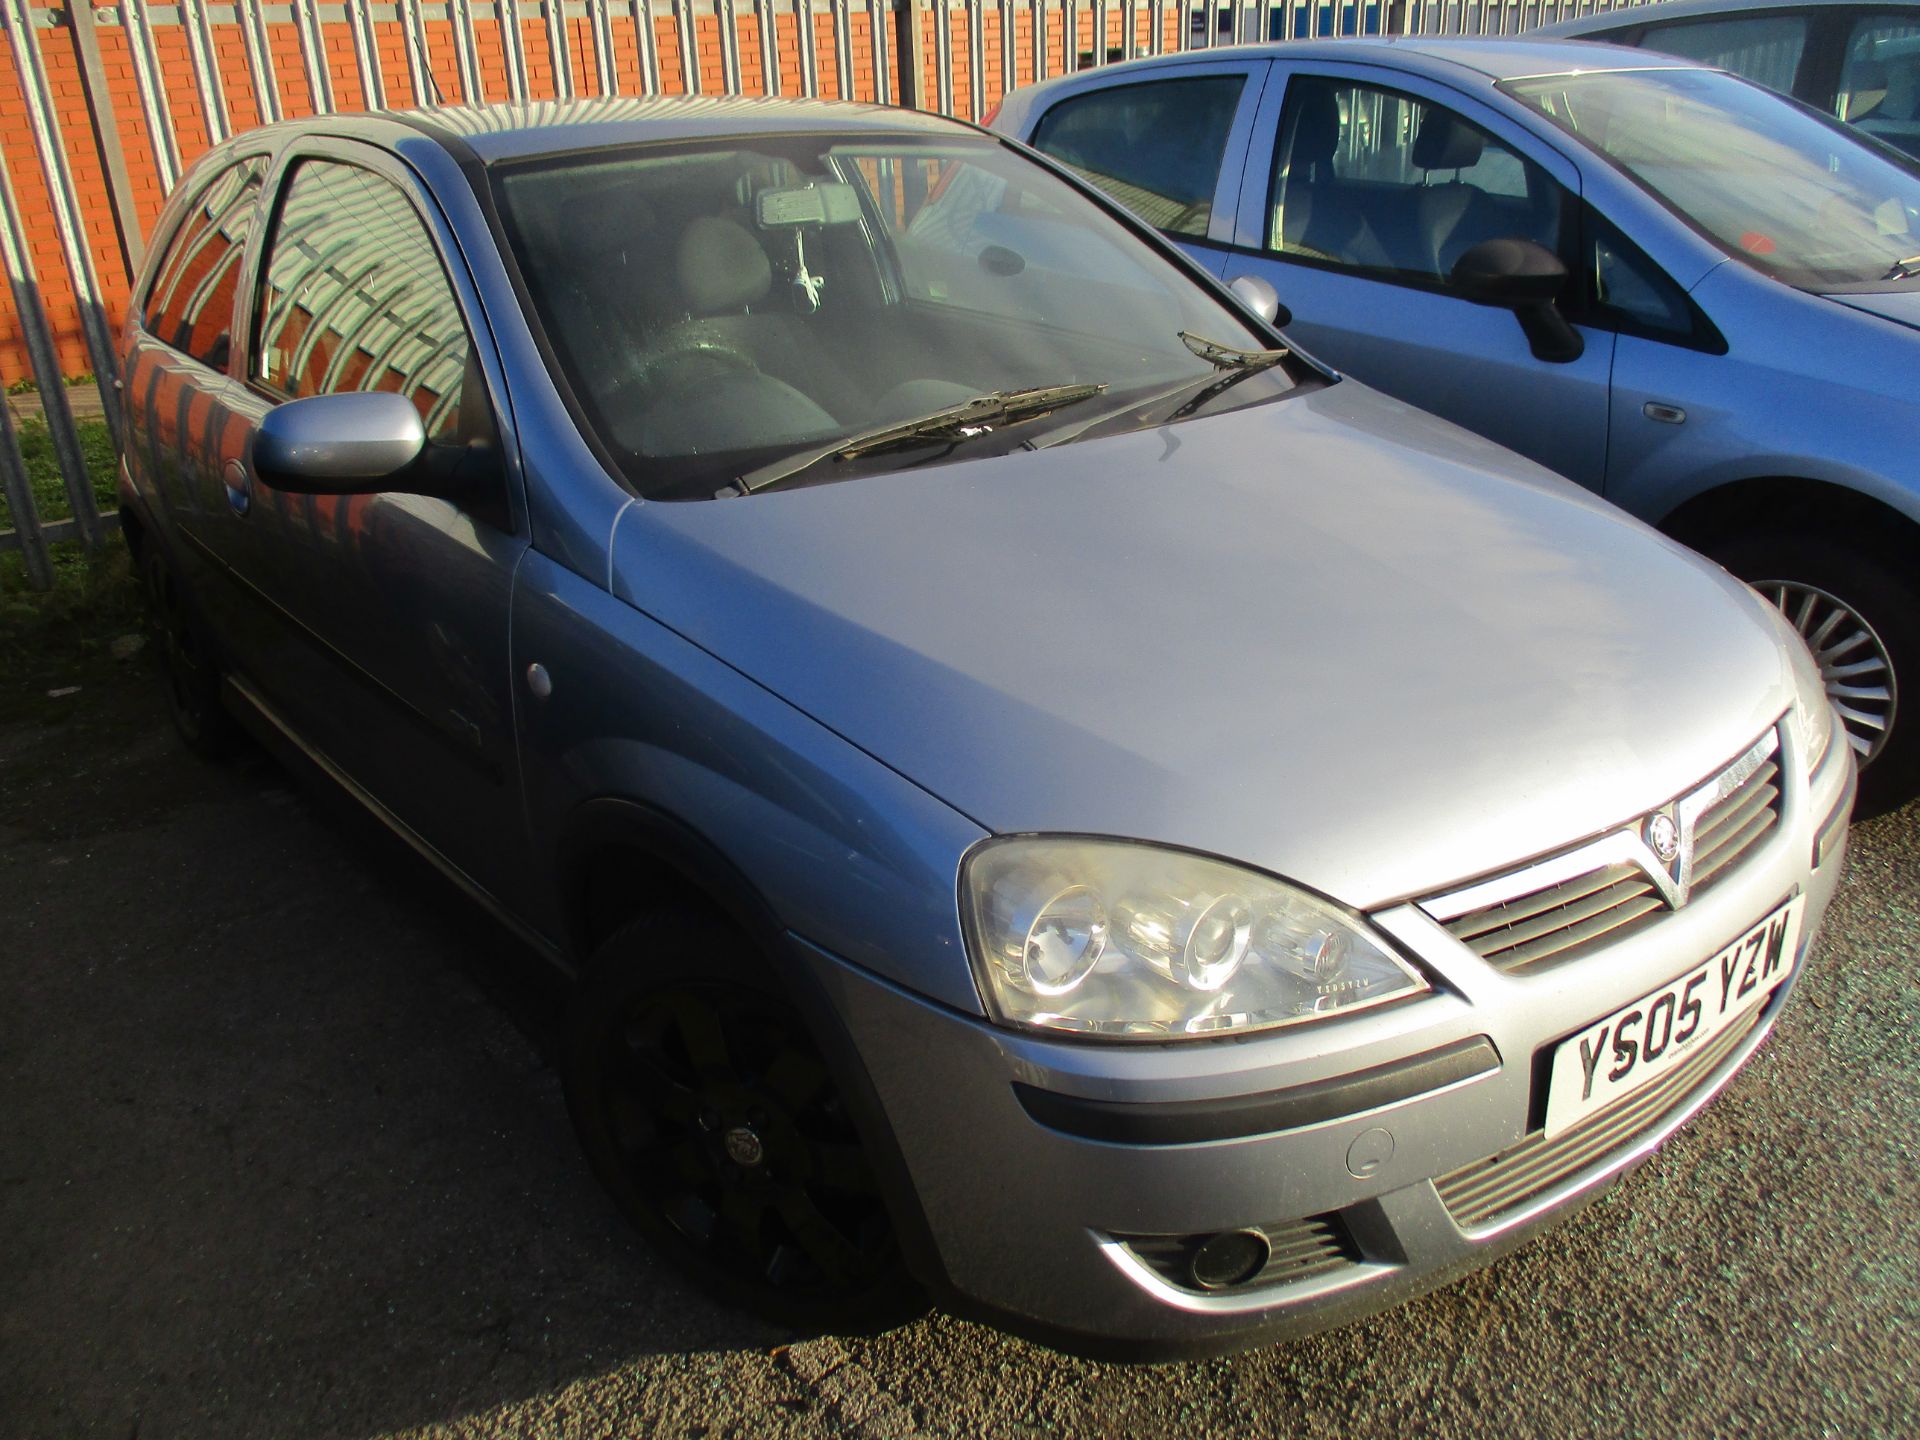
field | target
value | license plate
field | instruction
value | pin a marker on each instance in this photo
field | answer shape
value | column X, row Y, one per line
column 1661, row 1029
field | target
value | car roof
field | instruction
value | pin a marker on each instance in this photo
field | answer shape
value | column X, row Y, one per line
column 1443, row 58
column 516, row 131
column 1626, row 15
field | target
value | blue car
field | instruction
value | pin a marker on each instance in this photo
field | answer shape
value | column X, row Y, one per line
column 1680, row 290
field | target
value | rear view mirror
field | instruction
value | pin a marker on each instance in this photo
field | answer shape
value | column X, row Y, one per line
column 833, row 203
column 354, row 443
column 1526, row 278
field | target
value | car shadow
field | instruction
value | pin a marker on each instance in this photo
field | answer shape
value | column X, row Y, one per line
column 287, row 1149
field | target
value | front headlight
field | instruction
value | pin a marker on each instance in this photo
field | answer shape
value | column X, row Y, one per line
column 1130, row 941
column 1812, row 709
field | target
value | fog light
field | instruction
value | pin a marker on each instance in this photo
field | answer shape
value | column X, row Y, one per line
column 1232, row 1257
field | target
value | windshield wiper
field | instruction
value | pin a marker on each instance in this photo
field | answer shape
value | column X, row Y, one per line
column 1231, row 366
column 953, row 423
column 1907, row 269
column 1227, row 357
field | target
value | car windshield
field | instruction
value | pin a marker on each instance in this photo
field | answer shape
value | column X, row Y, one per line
column 1796, row 195
column 721, row 306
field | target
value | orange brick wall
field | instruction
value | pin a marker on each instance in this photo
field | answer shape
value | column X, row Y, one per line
column 175, row 75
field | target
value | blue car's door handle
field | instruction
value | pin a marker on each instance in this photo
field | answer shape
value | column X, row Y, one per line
column 239, row 487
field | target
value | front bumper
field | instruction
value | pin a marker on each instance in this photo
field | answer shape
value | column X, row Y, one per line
column 1055, row 1233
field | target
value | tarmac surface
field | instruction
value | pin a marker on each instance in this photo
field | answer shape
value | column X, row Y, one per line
column 282, row 1152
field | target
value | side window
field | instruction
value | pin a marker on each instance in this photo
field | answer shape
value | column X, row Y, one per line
column 1155, row 147
column 1630, row 292
column 1764, row 48
column 190, row 306
column 354, row 297
column 1373, row 180
column 1880, row 78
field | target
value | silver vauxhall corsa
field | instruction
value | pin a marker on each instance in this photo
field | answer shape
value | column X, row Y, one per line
column 1052, row 801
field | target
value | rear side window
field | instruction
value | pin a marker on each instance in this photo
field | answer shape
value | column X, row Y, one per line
column 354, row 297
column 1880, row 78
column 190, row 306
column 1765, row 49
column 1155, row 147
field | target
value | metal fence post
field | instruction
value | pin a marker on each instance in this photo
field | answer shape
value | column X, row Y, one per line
column 51, row 145
column 913, row 53
column 106, row 136
column 604, row 64
column 153, row 95
column 32, row 315
column 366, row 55
column 560, row 51
column 879, row 19
column 19, row 494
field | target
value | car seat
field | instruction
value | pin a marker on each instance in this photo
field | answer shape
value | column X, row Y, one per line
column 1319, row 215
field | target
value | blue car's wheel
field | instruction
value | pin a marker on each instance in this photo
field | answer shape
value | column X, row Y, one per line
column 1861, row 619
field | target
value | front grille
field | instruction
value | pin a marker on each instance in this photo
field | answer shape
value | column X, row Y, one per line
column 1732, row 826
column 1485, row 1191
column 1562, row 920
column 1520, row 927
column 1300, row 1250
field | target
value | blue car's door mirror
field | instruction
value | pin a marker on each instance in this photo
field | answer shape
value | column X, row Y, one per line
column 1526, row 278
column 353, row 443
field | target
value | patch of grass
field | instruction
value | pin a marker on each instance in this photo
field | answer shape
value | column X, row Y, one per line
column 43, row 469
column 94, row 597
column 26, row 385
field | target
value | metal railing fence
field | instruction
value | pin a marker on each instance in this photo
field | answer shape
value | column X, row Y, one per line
column 109, row 103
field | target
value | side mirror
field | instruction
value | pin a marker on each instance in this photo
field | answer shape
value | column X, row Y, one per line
column 1526, row 278
column 1262, row 299
column 353, row 443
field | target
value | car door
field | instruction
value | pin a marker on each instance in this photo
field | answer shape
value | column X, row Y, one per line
column 383, row 618
column 1167, row 142
column 1363, row 189
column 185, row 412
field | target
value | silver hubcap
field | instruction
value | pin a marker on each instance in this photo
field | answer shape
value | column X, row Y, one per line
column 1853, row 662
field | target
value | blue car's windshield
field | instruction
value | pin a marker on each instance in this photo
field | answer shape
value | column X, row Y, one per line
column 720, row 307
column 1795, row 195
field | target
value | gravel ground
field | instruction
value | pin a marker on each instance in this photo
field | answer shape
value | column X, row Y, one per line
column 282, row 1153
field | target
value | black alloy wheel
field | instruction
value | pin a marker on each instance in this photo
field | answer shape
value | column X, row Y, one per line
column 710, row 1115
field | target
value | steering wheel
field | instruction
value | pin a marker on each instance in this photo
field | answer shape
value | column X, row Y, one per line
column 689, row 354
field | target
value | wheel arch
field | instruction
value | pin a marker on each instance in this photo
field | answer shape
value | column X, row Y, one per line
column 619, row 857
column 1774, row 502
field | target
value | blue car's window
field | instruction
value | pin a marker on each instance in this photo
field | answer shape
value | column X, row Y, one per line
column 1764, row 48
column 190, row 306
column 1880, row 79
column 717, row 306
column 354, row 298
column 1155, row 147
column 1793, row 194
column 1375, row 180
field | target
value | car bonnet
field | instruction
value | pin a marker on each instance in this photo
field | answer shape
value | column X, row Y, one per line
column 1329, row 636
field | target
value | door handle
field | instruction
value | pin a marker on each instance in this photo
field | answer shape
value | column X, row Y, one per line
column 239, row 487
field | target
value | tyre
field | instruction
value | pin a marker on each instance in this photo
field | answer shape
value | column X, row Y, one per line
column 189, row 676
column 1860, row 615
column 708, row 1113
